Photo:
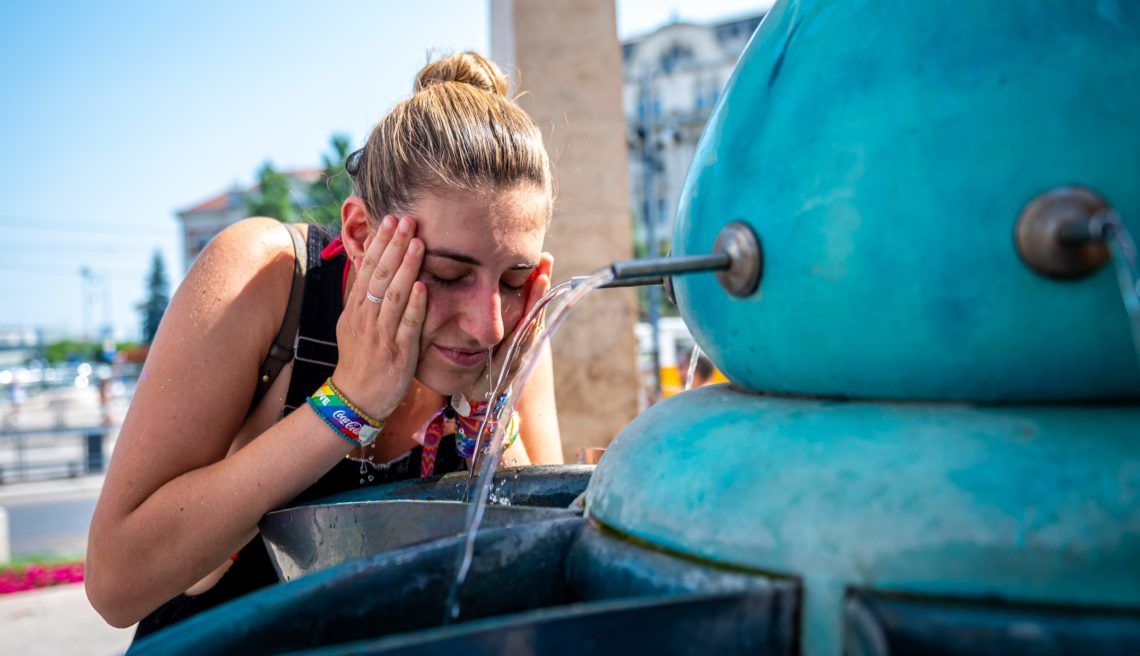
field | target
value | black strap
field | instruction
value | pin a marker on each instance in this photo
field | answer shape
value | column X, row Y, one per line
column 281, row 350
column 314, row 348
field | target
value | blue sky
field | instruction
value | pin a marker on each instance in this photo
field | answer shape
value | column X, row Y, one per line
column 117, row 114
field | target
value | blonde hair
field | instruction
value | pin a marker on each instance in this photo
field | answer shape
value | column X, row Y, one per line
column 458, row 131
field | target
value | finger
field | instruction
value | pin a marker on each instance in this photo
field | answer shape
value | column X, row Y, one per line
column 391, row 258
column 412, row 320
column 399, row 290
column 374, row 246
column 546, row 264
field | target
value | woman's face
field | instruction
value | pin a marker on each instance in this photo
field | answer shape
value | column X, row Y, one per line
column 481, row 250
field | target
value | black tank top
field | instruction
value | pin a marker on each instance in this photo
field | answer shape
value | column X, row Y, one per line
column 314, row 358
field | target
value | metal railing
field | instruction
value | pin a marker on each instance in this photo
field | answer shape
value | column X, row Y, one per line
column 45, row 453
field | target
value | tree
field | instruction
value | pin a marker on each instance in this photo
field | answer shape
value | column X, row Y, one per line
column 157, row 298
column 272, row 196
column 327, row 194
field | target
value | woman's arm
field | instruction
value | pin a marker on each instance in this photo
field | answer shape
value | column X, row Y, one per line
column 539, row 440
column 173, row 506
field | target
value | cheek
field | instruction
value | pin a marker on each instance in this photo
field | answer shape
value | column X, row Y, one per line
column 512, row 308
column 438, row 312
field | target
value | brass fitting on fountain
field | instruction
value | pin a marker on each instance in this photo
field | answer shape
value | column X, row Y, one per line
column 1060, row 233
column 746, row 259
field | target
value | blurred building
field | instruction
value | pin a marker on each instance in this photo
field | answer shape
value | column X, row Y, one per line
column 19, row 346
column 672, row 78
column 201, row 221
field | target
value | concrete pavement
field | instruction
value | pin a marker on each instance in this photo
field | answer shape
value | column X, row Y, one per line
column 57, row 621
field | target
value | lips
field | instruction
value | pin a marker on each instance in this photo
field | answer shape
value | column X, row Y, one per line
column 461, row 357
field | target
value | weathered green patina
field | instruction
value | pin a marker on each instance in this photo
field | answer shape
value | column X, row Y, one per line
column 1029, row 503
column 883, row 151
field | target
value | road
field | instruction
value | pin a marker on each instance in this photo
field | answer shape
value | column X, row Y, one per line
column 50, row 528
column 50, row 518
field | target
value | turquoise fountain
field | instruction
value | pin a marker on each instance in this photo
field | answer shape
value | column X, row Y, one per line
column 920, row 407
column 931, row 438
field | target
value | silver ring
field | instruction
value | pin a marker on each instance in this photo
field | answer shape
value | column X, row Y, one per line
column 375, row 299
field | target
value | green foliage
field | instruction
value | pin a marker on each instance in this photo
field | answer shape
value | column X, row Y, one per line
column 69, row 349
column 327, row 194
column 272, row 196
column 157, row 298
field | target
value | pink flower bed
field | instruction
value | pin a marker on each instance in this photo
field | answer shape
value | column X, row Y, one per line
column 39, row 576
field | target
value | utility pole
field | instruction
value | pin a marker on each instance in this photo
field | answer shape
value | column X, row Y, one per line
column 88, row 279
column 649, row 165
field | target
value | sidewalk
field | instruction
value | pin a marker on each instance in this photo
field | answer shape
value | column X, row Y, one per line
column 57, row 620
column 14, row 494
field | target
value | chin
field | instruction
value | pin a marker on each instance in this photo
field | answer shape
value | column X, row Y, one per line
column 445, row 383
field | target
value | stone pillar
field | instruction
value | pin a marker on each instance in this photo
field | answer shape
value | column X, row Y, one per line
column 565, row 58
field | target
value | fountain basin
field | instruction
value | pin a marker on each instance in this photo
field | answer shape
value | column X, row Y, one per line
column 312, row 536
column 555, row 586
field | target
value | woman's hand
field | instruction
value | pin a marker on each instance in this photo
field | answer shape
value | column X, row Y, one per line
column 378, row 333
column 538, row 285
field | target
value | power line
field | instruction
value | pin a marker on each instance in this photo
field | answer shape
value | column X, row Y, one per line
column 13, row 222
column 71, row 274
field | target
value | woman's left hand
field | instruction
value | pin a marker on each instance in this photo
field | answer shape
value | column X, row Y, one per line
column 538, row 286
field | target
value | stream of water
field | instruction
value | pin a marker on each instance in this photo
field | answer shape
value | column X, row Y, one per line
column 1124, row 258
column 522, row 355
column 694, row 358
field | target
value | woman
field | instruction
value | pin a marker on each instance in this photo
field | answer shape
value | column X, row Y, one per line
column 438, row 259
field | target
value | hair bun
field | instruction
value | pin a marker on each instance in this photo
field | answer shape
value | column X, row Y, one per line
column 465, row 68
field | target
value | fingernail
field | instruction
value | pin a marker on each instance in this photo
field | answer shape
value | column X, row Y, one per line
column 386, row 224
column 415, row 247
column 405, row 225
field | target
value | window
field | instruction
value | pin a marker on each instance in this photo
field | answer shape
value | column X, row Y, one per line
column 675, row 56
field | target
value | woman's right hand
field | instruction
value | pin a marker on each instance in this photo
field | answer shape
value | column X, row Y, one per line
column 379, row 342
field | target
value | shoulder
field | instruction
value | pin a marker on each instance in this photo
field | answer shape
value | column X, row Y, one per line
column 251, row 257
column 249, row 244
column 245, row 274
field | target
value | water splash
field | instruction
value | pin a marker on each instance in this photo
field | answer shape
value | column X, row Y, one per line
column 1123, row 249
column 524, row 353
column 694, row 358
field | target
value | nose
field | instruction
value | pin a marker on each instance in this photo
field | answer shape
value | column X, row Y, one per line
column 482, row 319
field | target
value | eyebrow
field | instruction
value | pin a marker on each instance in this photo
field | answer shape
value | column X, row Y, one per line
column 467, row 259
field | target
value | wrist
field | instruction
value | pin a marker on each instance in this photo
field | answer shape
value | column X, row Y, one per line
column 363, row 399
column 346, row 419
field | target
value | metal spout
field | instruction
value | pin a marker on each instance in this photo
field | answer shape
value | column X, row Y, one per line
column 737, row 259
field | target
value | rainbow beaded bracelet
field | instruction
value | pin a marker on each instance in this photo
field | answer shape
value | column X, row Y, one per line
column 343, row 417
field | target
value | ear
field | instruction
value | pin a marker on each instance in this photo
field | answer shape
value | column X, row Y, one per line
column 355, row 227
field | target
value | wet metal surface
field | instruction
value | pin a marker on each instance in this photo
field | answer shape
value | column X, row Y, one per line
column 311, row 538
column 881, row 625
column 723, row 624
column 546, row 486
column 514, row 569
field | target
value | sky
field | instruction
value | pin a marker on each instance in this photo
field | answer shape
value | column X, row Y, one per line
column 115, row 115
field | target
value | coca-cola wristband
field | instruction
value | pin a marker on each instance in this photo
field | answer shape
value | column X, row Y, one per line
column 346, row 420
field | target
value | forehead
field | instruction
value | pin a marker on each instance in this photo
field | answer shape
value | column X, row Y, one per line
column 488, row 225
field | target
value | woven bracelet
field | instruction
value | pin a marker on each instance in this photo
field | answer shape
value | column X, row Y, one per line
column 341, row 416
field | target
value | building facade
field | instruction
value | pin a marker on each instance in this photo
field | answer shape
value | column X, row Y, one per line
column 201, row 221
column 672, row 79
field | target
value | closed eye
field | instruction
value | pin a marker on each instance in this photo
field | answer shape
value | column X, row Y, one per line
column 444, row 282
